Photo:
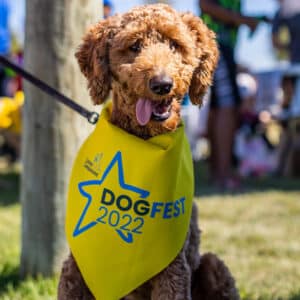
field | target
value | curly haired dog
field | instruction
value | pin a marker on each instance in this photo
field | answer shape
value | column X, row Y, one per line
column 150, row 57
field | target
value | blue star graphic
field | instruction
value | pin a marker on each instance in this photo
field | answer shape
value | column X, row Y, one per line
column 117, row 160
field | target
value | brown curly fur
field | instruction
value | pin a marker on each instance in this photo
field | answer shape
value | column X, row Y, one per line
column 181, row 47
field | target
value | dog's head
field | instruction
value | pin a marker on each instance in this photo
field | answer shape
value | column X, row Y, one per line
column 150, row 57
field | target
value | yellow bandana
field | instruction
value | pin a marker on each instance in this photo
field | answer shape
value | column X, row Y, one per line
column 129, row 207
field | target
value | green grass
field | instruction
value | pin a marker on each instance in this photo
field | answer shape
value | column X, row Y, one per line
column 257, row 235
column 11, row 286
column 256, row 232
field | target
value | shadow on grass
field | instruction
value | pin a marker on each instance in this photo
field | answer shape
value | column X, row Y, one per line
column 292, row 297
column 9, row 188
column 295, row 297
column 9, row 278
column 203, row 186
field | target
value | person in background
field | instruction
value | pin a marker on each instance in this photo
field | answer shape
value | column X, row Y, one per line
column 11, row 124
column 251, row 137
column 107, row 8
column 5, row 38
column 224, row 17
column 288, row 16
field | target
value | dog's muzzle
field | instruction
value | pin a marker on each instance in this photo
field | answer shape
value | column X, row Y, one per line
column 157, row 110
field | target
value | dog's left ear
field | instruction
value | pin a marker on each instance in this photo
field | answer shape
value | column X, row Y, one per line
column 207, row 53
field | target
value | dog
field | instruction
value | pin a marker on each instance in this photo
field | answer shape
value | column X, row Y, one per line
column 149, row 58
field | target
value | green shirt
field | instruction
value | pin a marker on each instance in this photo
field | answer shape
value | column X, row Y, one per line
column 226, row 33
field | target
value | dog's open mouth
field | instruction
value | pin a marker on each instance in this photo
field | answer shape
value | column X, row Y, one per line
column 157, row 110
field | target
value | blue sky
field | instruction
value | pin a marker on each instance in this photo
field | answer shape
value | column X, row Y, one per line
column 18, row 17
column 257, row 52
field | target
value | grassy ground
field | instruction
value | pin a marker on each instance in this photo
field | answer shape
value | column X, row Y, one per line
column 255, row 231
column 11, row 287
column 257, row 235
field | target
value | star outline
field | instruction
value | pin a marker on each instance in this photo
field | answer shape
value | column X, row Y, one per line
column 117, row 160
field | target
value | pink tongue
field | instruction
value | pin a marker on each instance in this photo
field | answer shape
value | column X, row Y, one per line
column 143, row 111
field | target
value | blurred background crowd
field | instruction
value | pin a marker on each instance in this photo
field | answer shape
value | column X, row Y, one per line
column 249, row 122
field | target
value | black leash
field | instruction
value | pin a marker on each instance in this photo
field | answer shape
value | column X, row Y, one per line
column 91, row 116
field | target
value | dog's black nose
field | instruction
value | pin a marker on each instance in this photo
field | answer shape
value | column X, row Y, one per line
column 161, row 85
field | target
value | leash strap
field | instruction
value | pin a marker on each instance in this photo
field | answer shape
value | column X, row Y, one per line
column 91, row 116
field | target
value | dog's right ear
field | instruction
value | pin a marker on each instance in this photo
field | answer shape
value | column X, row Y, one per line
column 92, row 56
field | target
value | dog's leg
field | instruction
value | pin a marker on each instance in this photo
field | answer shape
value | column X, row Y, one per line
column 71, row 284
column 192, row 249
column 213, row 280
column 174, row 282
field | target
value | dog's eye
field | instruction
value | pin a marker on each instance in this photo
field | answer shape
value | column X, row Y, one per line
column 136, row 47
column 174, row 45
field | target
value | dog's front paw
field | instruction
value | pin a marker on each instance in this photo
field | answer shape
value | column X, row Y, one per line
column 213, row 280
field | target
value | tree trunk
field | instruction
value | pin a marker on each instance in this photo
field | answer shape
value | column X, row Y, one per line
column 52, row 132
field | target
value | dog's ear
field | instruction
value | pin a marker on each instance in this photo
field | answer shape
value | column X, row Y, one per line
column 92, row 56
column 207, row 53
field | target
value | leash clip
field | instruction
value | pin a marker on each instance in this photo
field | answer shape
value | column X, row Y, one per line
column 93, row 117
